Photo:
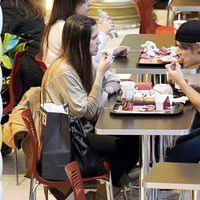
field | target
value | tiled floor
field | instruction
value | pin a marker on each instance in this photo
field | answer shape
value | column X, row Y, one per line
column 10, row 189
column 21, row 192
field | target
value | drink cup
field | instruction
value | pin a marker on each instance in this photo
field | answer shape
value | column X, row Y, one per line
column 128, row 90
column 177, row 86
column 102, row 15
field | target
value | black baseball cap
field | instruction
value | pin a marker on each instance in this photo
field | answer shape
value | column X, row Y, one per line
column 189, row 32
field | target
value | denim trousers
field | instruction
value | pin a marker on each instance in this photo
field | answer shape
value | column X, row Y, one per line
column 186, row 150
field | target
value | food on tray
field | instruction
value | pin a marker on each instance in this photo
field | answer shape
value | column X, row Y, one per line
column 127, row 105
column 141, row 95
column 163, row 88
column 143, row 85
column 153, row 55
column 141, row 99
column 147, row 108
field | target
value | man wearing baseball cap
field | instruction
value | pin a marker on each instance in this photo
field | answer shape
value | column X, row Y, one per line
column 187, row 148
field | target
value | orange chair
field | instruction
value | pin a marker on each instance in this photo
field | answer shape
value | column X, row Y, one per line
column 147, row 23
column 41, row 62
column 15, row 85
column 30, row 125
column 73, row 172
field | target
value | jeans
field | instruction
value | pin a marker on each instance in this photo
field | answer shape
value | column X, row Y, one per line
column 122, row 152
column 186, row 150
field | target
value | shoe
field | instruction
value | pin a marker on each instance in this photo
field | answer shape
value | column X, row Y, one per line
column 99, row 194
column 117, row 190
column 132, row 177
column 5, row 149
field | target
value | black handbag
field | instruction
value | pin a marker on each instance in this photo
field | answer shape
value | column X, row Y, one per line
column 89, row 161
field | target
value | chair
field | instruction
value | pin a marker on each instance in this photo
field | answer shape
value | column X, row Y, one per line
column 29, row 122
column 30, row 125
column 41, row 62
column 15, row 89
column 15, row 85
column 147, row 23
column 181, row 176
column 73, row 172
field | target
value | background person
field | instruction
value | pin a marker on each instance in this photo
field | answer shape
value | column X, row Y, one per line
column 71, row 76
column 24, row 19
column 61, row 10
column 187, row 148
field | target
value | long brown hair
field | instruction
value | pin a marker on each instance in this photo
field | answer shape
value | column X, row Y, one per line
column 27, row 8
column 76, row 47
column 61, row 10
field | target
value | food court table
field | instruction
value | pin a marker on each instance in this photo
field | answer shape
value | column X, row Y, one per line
column 129, row 64
column 145, row 126
column 185, row 5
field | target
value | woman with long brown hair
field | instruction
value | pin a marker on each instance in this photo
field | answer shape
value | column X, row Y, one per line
column 71, row 76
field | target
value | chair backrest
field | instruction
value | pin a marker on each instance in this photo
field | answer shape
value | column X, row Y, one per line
column 15, row 85
column 145, row 11
column 30, row 125
column 41, row 62
column 73, row 172
column 27, row 116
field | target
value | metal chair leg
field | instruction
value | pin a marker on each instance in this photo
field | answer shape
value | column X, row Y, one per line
column 31, row 187
column 16, row 166
column 194, row 195
column 45, row 188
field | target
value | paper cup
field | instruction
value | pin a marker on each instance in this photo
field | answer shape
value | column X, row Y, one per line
column 128, row 89
column 177, row 24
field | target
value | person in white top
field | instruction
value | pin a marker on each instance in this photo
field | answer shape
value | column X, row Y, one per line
column 62, row 9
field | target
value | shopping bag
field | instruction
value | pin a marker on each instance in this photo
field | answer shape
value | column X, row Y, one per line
column 55, row 141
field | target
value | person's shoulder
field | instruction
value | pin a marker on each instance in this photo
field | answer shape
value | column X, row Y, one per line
column 6, row 3
column 60, row 66
column 7, row 6
column 59, row 24
column 56, row 29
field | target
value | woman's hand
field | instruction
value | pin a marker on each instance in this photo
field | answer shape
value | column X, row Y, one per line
column 106, row 27
column 121, row 51
column 104, row 63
